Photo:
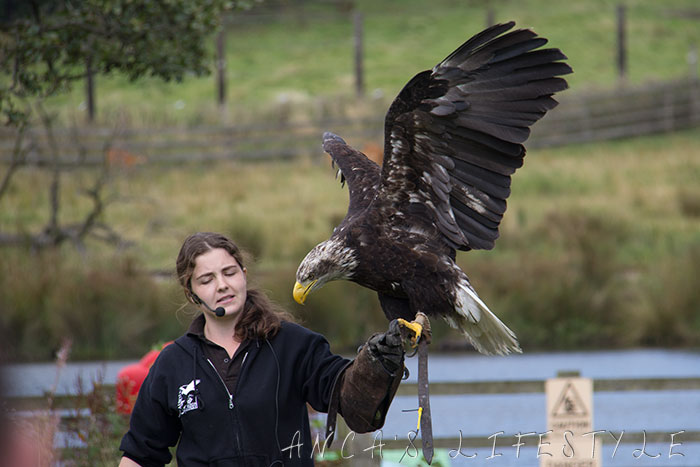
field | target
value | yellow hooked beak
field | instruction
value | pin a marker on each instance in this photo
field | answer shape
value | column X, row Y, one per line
column 301, row 291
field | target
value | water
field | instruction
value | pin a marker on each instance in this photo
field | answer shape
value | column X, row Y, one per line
column 37, row 379
column 640, row 363
column 483, row 415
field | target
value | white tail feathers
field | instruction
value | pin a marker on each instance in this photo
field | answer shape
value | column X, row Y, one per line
column 484, row 330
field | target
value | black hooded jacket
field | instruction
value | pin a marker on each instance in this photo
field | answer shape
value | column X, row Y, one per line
column 262, row 424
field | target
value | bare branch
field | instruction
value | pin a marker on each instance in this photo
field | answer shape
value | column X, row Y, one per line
column 18, row 158
column 54, row 187
column 9, row 239
column 54, row 233
column 96, row 193
column 106, row 234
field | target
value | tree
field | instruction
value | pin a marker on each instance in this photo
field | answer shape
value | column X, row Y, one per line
column 47, row 45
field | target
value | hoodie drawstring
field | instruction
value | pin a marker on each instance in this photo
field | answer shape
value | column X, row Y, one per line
column 200, row 402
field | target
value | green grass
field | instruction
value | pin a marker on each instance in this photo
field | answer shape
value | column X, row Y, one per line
column 600, row 246
column 598, row 249
column 310, row 63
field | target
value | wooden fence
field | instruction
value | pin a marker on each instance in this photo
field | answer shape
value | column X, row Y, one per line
column 537, row 386
column 70, row 408
column 622, row 112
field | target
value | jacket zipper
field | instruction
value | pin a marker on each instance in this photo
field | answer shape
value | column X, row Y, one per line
column 230, row 396
column 230, row 402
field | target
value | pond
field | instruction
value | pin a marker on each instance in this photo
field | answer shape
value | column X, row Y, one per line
column 487, row 415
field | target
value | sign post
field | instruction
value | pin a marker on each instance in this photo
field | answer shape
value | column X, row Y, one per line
column 572, row 440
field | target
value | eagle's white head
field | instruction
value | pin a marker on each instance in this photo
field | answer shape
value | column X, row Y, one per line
column 327, row 261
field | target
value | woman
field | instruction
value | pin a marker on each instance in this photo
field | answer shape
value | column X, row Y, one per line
column 233, row 390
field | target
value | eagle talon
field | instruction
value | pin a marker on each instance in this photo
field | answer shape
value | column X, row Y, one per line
column 414, row 330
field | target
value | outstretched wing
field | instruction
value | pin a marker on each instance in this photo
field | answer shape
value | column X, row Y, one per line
column 454, row 134
column 361, row 173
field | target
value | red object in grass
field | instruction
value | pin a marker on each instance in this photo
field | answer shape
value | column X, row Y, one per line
column 130, row 378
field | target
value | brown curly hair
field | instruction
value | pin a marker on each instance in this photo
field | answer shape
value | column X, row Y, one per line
column 261, row 318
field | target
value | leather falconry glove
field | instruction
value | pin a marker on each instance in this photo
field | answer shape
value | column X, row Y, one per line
column 367, row 386
column 388, row 348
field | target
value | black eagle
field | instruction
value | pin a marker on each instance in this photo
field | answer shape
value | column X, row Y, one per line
column 452, row 139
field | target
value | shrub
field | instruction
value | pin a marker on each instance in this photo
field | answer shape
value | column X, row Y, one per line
column 689, row 201
column 110, row 309
column 569, row 294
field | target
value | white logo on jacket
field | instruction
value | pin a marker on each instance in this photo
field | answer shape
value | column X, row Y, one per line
column 187, row 397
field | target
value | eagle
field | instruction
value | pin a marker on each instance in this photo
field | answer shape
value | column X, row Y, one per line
column 452, row 139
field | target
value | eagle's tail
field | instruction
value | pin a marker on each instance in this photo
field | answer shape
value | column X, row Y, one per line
column 484, row 330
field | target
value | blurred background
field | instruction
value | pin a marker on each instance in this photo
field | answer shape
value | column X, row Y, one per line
column 130, row 125
column 211, row 120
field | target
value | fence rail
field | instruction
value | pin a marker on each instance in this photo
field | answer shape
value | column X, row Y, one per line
column 621, row 112
column 461, row 446
column 468, row 443
column 71, row 408
column 437, row 388
column 537, row 386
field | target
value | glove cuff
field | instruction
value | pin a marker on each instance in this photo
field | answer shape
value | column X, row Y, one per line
column 366, row 391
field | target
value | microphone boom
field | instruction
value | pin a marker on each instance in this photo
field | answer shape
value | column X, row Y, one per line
column 219, row 312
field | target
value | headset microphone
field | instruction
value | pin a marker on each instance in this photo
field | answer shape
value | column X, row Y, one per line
column 219, row 311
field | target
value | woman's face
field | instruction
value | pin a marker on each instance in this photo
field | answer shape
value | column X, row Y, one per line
column 219, row 281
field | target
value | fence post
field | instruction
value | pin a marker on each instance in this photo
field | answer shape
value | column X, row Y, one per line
column 221, row 67
column 668, row 110
column 490, row 17
column 588, row 121
column 694, row 95
column 621, row 42
column 359, row 71
column 90, row 90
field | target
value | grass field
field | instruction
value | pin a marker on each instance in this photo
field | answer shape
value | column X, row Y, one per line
column 305, row 59
column 601, row 239
column 600, row 247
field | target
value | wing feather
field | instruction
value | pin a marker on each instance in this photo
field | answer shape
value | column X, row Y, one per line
column 489, row 206
column 361, row 173
column 476, row 41
column 454, row 134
